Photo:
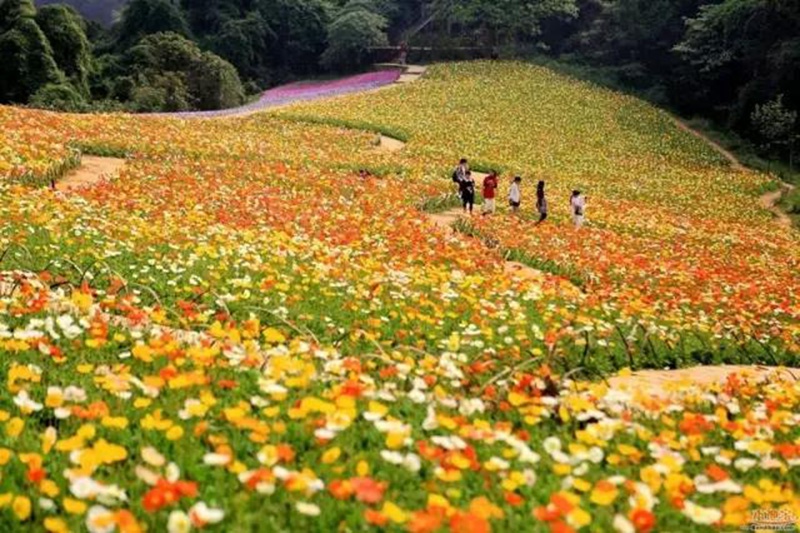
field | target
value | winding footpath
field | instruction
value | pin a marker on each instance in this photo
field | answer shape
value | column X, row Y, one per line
column 768, row 200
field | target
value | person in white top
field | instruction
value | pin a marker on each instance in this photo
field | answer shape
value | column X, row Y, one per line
column 515, row 195
column 577, row 203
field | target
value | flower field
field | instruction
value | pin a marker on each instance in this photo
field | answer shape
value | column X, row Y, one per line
column 241, row 334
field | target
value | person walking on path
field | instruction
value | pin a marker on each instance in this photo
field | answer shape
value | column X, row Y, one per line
column 541, row 202
column 467, row 190
column 402, row 57
column 490, row 184
column 460, row 173
column 577, row 203
column 515, row 195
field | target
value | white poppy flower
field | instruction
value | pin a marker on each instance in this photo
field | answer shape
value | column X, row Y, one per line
column 202, row 514
column 308, row 509
column 178, row 522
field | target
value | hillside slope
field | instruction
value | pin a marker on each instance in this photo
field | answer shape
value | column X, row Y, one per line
column 676, row 233
column 239, row 331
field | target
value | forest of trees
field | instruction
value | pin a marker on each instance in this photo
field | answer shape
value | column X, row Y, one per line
column 734, row 61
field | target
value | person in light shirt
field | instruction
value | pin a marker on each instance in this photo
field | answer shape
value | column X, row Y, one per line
column 577, row 203
column 515, row 194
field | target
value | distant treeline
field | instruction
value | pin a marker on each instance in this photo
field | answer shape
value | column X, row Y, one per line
column 734, row 61
column 170, row 55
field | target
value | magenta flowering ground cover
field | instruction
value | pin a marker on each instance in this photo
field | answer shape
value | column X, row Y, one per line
column 302, row 91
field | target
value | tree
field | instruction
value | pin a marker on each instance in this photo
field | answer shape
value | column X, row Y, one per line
column 146, row 17
column 214, row 83
column 104, row 12
column 170, row 71
column 350, row 36
column 636, row 37
column 12, row 11
column 743, row 52
column 27, row 57
column 499, row 22
column 64, row 29
column 775, row 124
column 58, row 96
column 301, row 31
column 163, row 52
column 246, row 44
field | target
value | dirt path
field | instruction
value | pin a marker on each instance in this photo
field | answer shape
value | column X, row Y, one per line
column 92, row 170
column 665, row 383
column 735, row 163
column 390, row 144
column 770, row 201
column 446, row 219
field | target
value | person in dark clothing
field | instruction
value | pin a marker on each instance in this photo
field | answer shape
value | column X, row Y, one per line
column 541, row 202
column 467, row 190
column 460, row 173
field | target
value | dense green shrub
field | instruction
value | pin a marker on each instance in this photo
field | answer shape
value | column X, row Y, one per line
column 214, row 83
column 173, row 74
column 147, row 99
column 58, row 96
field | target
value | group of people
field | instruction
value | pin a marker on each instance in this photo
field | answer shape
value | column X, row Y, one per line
column 462, row 177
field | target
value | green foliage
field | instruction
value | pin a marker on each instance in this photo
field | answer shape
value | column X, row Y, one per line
column 104, row 12
column 146, row 99
column 245, row 43
column 64, row 30
column 146, row 17
column 300, row 28
column 58, row 96
column 11, row 11
column 497, row 22
column 351, row 34
column 790, row 202
column 214, row 83
column 168, row 72
column 27, row 57
column 774, row 122
column 744, row 52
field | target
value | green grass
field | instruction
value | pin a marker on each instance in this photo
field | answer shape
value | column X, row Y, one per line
column 100, row 150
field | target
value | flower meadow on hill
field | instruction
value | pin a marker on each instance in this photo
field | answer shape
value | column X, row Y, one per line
column 238, row 333
column 675, row 234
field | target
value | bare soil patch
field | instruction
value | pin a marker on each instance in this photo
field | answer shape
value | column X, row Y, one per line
column 92, row 170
